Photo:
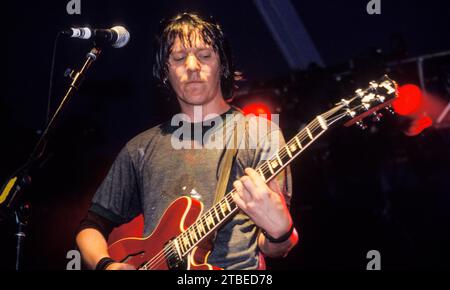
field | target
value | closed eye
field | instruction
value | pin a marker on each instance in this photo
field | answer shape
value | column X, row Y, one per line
column 178, row 58
column 205, row 55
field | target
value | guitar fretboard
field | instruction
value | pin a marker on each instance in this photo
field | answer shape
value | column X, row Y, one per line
column 360, row 105
column 226, row 207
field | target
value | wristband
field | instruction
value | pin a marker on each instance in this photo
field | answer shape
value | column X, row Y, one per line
column 281, row 239
column 103, row 263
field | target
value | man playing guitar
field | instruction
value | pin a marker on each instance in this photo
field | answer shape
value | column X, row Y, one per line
column 193, row 61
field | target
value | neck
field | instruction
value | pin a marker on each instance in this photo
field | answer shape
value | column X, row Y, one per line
column 217, row 106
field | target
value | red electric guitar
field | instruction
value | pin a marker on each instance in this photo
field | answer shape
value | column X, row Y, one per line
column 181, row 238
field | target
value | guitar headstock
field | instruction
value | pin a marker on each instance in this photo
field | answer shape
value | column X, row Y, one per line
column 365, row 102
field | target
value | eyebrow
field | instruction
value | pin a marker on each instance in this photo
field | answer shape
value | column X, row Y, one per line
column 197, row 49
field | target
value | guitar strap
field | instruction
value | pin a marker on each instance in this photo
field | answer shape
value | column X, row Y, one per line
column 227, row 161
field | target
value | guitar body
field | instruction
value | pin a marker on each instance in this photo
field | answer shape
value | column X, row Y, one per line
column 181, row 213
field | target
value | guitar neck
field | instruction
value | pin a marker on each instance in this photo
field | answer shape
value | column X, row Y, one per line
column 364, row 102
column 218, row 214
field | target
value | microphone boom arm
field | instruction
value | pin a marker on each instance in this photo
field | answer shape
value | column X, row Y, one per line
column 13, row 189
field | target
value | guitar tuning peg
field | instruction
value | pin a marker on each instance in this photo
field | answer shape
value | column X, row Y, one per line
column 359, row 92
column 390, row 110
column 361, row 125
column 377, row 116
column 351, row 113
column 373, row 84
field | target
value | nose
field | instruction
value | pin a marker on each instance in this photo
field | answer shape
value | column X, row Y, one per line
column 192, row 63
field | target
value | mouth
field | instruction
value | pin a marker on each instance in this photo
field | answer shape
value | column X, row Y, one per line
column 194, row 82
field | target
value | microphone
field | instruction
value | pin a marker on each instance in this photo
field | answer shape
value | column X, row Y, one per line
column 116, row 36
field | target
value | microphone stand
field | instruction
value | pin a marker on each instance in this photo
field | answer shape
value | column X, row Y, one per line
column 13, row 189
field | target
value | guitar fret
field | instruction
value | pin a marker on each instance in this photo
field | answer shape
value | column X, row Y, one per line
column 205, row 224
column 190, row 238
column 228, row 205
column 288, row 151
column 229, row 199
column 223, row 208
column 186, row 242
column 217, row 215
column 279, row 160
column 195, row 234
column 201, row 228
column 209, row 221
column 298, row 142
column 284, row 158
column 270, row 168
column 181, row 245
column 309, row 133
column 322, row 122
column 261, row 173
column 177, row 247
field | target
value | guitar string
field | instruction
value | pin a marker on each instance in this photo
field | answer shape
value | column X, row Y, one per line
column 312, row 127
column 154, row 262
column 218, row 208
column 158, row 259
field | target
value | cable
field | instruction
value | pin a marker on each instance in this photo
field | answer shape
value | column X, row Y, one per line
column 50, row 85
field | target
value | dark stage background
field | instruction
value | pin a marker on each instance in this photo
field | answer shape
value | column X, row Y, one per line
column 354, row 190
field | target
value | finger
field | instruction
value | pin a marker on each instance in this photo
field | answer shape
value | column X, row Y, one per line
column 255, row 176
column 249, row 188
column 259, row 190
column 239, row 202
column 243, row 193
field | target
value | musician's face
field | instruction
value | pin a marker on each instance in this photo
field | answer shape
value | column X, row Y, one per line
column 194, row 71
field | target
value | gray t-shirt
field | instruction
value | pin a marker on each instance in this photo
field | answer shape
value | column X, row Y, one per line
column 149, row 173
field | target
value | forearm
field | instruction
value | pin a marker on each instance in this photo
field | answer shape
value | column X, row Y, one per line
column 92, row 245
column 270, row 249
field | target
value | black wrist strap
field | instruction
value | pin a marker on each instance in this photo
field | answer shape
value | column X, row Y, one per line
column 281, row 239
column 103, row 263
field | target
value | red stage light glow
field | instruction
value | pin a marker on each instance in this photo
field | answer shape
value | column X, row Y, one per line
column 409, row 100
column 257, row 109
column 419, row 125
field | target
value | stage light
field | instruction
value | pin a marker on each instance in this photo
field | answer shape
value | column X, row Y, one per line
column 418, row 107
column 257, row 109
column 418, row 125
column 409, row 100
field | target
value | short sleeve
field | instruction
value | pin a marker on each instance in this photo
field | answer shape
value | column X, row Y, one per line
column 267, row 145
column 117, row 198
